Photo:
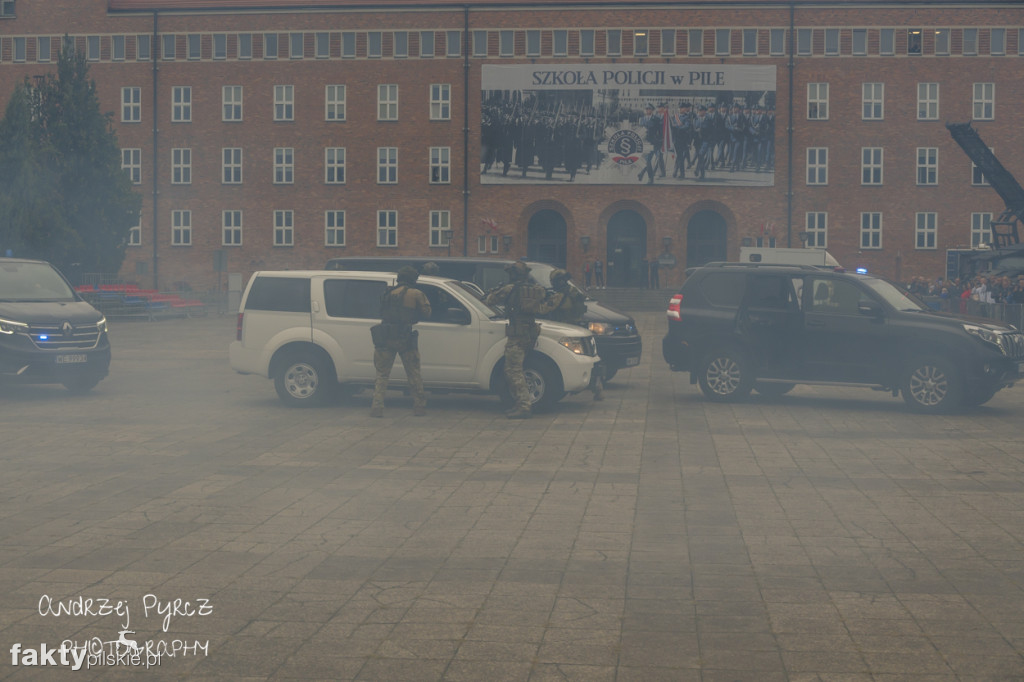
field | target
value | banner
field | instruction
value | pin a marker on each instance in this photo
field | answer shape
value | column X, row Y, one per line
column 667, row 125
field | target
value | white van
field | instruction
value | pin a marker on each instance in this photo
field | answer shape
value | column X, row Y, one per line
column 783, row 256
column 309, row 331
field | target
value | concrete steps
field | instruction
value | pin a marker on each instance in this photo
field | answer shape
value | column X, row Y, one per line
column 630, row 300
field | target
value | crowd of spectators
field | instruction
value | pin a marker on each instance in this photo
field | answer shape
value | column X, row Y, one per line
column 982, row 289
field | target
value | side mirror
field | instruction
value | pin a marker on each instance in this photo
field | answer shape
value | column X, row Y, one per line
column 870, row 308
column 457, row 316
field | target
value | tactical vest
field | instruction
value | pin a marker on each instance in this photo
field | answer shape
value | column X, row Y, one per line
column 571, row 308
column 395, row 310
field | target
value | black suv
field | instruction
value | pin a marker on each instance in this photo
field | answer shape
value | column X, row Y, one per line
column 735, row 327
column 618, row 341
column 48, row 334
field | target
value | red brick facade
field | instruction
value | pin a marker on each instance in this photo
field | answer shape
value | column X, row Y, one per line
column 666, row 211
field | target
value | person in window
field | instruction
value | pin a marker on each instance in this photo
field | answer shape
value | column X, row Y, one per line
column 401, row 307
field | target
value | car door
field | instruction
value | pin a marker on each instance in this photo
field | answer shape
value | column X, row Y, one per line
column 769, row 318
column 350, row 307
column 449, row 341
column 838, row 342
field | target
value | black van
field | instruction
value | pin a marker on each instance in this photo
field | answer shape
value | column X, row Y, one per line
column 618, row 341
column 48, row 333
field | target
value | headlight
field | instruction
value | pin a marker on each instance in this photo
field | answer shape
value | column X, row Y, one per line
column 101, row 326
column 574, row 343
column 982, row 333
column 601, row 328
column 12, row 327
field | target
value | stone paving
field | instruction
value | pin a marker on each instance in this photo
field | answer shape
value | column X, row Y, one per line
column 825, row 535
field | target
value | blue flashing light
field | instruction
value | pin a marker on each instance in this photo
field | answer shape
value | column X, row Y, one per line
column 862, row 271
column 44, row 337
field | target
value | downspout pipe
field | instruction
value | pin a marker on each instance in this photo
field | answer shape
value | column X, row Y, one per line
column 156, row 193
column 789, row 127
column 465, row 130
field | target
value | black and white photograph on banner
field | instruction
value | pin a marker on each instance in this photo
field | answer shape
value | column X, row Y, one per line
column 671, row 124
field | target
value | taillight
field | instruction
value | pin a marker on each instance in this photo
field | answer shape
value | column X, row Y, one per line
column 673, row 307
column 238, row 329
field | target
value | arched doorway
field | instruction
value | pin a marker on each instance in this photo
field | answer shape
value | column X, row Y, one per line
column 627, row 248
column 705, row 239
column 546, row 238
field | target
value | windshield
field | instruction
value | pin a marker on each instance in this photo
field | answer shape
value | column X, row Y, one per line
column 541, row 273
column 473, row 299
column 897, row 297
column 33, row 282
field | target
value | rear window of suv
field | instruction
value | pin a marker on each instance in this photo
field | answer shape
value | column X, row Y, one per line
column 353, row 298
column 723, row 289
column 279, row 294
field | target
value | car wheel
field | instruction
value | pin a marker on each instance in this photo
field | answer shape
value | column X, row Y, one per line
column 543, row 381
column 303, row 380
column 609, row 374
column 772, row 389
column 80, row 385
column 724, row 376
column 980, row 397
column 932, row 385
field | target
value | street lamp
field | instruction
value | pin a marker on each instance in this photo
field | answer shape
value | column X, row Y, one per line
column 448, row 234
column 506, row 241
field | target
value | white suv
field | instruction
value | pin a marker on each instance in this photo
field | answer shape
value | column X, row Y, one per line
column 309, row 331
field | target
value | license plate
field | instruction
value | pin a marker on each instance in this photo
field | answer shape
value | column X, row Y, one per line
column 632, row 362
column 72, row 358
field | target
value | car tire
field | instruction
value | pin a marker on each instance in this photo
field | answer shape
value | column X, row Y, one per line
column 303, row 380
column 542, row 379
column 980, row 397
column 932, row 385
column 609, row 374
column 80, row 385
column 773, row 389
column 724, row 375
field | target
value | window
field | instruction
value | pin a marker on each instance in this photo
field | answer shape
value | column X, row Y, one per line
column 587, row 43
column 984, row 101
column 181, row 166
column 440, row 221
column 387, row 228
column 695, row 38
column 231, row 228
column 284, row 228
column 334, row 165
column 817, row 101
column 887, row 41
column 913, row 41
column 181, row 228
column 131, row 105
column 997, row 41
column 131, row 162
column 817, row 166
column 6, row 8
column 483, row 241
column 270, row 46
column 977, row 177
column 19, row 49
column 873, row 101
column 942, row 41
column 440, row 165
column 722, row 41
column 43, row 49
column 387, row 165
column 400, row 44
column 348, row 45
column 322, row 44
column 92, row 48
column 749, row 42
column 614, row 42
column 334, row 228
column 668, row 41
column 334, row 103
column 387, row 102
column 479, row 43
column 168, row 47
column 777, row 41
column 135, row 232
column 803, row 41
column 927, row 165
column 560, row 43
column 181, row 104
column 925, row 229
column 454, row 44
column 641, row 48
column 116, row 48
column 374, row 48
column 981, row 229
column 284, row 165
column 427, row 46
column 871, row 166
column 231, row 103
column 220, row 45
column 870, row 230
column 1020, row 41
column 245, row 46
column 927, row 101
column 860, row 41
column 440, row 102
column 143, row 48
column 352, row 298
column 231, row 165
column 533, row 43
column 296, row 45
column 506, row 43
column 284, row 103
column 817, row 230
column 832, row 41
column 970, row 46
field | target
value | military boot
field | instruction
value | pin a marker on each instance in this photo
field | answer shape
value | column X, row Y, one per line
column 376, row 411
column 519, row 413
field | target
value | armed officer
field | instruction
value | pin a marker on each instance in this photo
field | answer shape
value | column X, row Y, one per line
column 568, row 306
column 401, row 307
column 523, row 301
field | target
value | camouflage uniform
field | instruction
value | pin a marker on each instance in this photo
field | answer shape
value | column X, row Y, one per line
column 522, row 300
column 567, row 306
column 401, row 307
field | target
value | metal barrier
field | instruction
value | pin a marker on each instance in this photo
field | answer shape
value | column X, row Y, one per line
column 1009, row 313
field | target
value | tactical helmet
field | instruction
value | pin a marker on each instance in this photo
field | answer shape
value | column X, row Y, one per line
column 559, row 277
column 517, row 270
column 430, row 268
column 408, row 275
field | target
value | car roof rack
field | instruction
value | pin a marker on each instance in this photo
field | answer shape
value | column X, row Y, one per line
column 722, row 264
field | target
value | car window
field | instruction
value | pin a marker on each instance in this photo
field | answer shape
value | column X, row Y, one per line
column 771, row 292
column 279, row 294
column 723, row 289
column 440, row 303
column 492, row 276
column 835, row 296
column 33, row 282
column 353, row 298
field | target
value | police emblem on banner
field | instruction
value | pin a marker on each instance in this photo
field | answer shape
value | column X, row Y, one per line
column 625, row 147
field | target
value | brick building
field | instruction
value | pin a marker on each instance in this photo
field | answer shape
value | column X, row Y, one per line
column 280, row 133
